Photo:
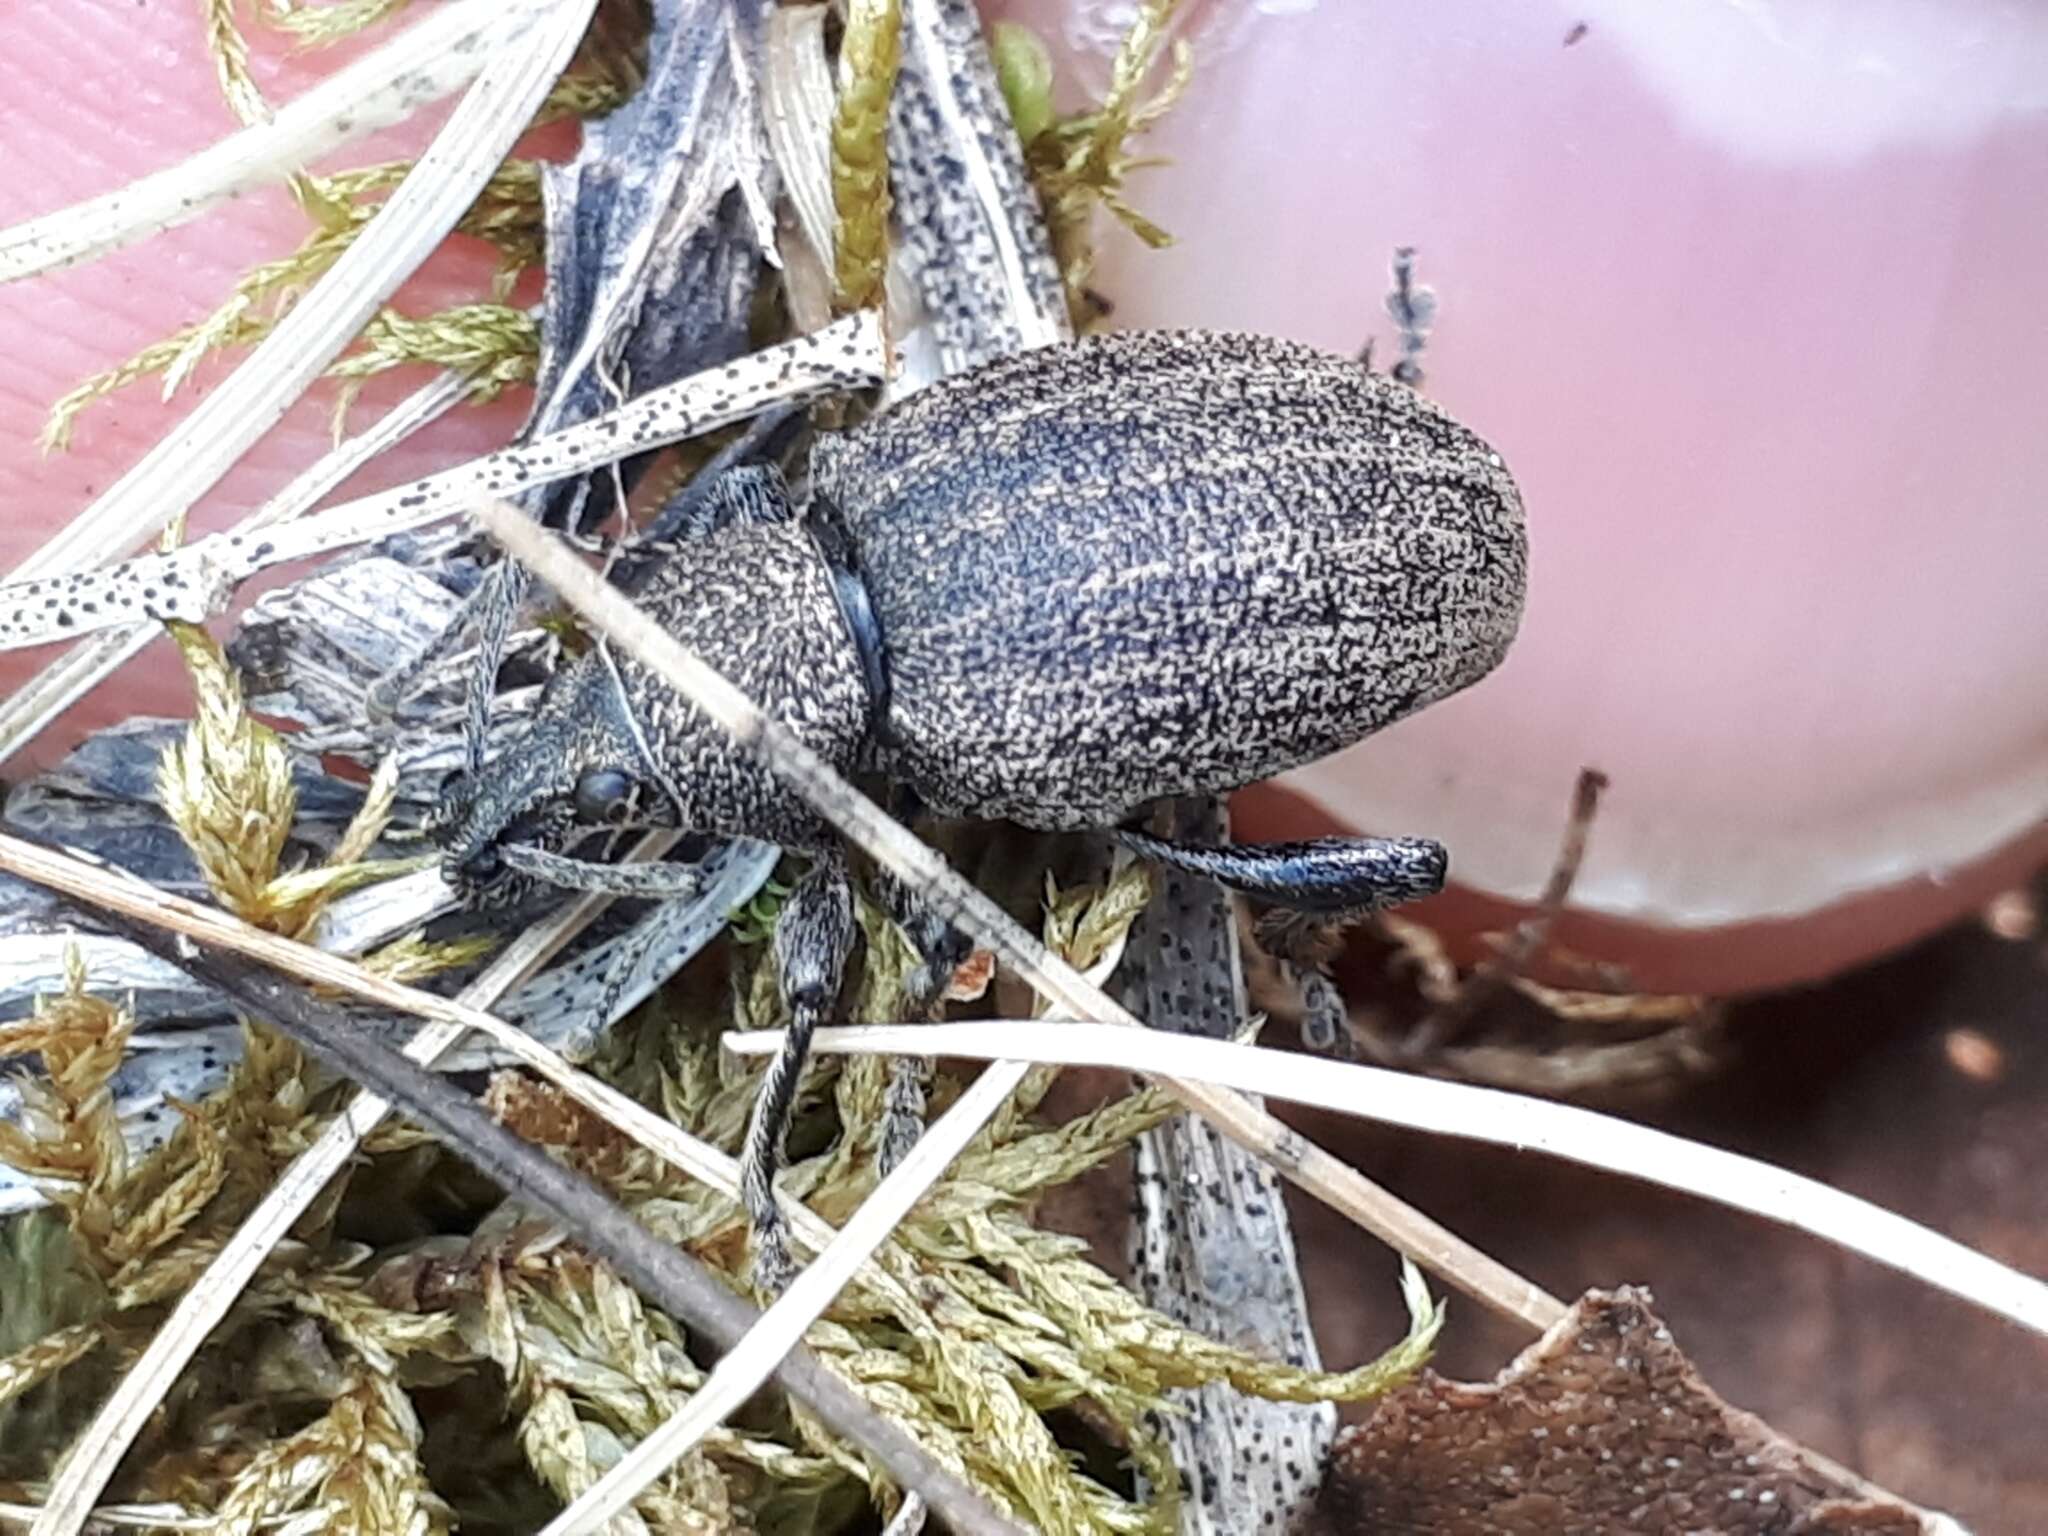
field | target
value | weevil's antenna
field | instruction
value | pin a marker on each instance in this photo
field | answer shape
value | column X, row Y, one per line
column 649, row 759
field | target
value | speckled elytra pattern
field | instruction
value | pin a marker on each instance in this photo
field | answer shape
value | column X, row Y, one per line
column 1166, row 563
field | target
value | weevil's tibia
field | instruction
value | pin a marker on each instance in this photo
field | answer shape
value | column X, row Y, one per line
column 903, row 1110
column 691, row 513
column 387, row 695
column 813, row 935
column 941, row 949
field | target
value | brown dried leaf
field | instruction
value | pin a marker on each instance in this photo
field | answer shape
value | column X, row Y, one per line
column 1601, row 1426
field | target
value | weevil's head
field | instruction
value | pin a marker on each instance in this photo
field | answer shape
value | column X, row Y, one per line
column 612, row 748
column 576, row 771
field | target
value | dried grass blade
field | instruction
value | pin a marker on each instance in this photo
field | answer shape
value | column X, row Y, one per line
column 193, row 583
column 28, row 711
column 1489, row 1115
column 436, row 58
column 975, row 238
column 797, row 107
column 409, row 225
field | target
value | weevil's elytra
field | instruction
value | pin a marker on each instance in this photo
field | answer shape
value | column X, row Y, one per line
column 1164, row 563
column 1054, row 590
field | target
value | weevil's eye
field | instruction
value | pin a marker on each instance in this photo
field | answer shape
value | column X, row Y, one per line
column 603, row 795
column 483, row 866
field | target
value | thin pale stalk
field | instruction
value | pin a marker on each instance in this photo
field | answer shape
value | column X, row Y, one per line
column 433, row 59
column 195, row 582
column 191, row 457
column 1473, row 1113
column 951, row 897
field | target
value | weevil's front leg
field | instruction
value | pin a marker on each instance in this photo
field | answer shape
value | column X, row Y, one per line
column 812, row 938
column 730, row 489
column 941, row 949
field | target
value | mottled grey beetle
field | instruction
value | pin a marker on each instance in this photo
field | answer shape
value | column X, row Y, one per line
column 1052, row 590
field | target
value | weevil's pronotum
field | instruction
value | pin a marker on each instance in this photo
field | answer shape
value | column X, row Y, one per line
column 1053, row 590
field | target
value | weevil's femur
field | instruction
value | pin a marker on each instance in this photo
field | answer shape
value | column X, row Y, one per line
column 660, row 881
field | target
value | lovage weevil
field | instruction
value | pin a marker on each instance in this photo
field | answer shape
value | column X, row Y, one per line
column 1052, row 590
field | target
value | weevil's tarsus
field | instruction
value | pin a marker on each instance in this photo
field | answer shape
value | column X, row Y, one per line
column 941, row 949
column 1412, row 307
column 1325, row 1027
column 813, row 937
column 673, row 1280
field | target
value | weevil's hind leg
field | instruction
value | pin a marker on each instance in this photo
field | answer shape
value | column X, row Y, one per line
column 812, row 938
column 1309, row 893
column 941, row 949
column 1325, row 877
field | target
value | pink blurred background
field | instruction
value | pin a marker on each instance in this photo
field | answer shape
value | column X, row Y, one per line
column 1754, row 299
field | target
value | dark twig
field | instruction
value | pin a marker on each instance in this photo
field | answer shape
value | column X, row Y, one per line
column 670, row 1278
column 1491, row 976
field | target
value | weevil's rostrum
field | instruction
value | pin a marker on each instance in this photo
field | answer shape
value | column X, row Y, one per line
column 1140, row 565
